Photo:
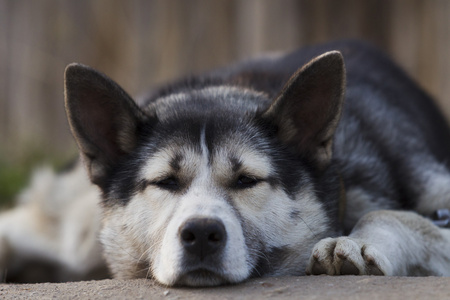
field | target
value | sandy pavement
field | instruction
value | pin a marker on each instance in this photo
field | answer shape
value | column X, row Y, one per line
column 311, row 287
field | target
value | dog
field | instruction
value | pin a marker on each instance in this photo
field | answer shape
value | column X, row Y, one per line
column 327, row 160
column 52, row 233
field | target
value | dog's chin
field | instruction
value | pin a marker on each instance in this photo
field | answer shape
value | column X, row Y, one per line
column 201, row 278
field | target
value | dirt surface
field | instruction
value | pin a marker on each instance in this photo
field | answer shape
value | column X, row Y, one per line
column 316, row 287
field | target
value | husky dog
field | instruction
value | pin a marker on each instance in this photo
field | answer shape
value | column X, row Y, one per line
column 52, row 233
column 327, row 160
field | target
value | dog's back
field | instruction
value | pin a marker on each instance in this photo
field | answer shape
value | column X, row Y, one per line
column 392, row 144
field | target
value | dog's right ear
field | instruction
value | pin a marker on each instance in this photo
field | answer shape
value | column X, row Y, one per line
column 102, row 117
column 309, row 107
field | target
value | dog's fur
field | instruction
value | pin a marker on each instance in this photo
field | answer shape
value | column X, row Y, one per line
column 262, row 168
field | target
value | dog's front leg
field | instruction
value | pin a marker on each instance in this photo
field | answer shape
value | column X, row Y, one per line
column 385, row 243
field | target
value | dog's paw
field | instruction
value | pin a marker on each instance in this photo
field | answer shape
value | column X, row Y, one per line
column 347, row 256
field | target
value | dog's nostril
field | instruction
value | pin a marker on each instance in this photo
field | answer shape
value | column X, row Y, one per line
column 215, row 237
column 202, row 236
column 187, row 236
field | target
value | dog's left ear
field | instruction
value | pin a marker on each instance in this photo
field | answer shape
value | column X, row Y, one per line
column 309, row 107
column 104, row 120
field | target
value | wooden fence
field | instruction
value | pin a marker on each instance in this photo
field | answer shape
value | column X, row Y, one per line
column 140, row 43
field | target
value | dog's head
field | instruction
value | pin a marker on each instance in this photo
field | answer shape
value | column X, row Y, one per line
column 215, row 184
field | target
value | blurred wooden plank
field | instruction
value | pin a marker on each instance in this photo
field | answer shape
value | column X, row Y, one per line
column 4, row 72
column 442, row 72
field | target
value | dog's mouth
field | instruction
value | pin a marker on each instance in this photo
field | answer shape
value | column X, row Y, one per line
column 201, row 278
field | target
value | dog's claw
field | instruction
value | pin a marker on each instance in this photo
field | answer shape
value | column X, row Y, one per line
column 348, row 268
column 374, row 270
column 317, row 269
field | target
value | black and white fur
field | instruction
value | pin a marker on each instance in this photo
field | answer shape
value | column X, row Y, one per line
column 325, row 160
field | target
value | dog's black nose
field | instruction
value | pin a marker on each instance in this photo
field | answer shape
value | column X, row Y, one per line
column 203, row 236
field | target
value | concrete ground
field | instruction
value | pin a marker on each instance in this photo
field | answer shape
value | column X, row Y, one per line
column 311, row 287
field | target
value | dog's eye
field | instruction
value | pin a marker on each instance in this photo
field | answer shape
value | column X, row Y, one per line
column 169, row 183
column 245, row 182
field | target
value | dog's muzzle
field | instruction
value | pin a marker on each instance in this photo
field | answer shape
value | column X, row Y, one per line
column 202, row 237
column 205, row 253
